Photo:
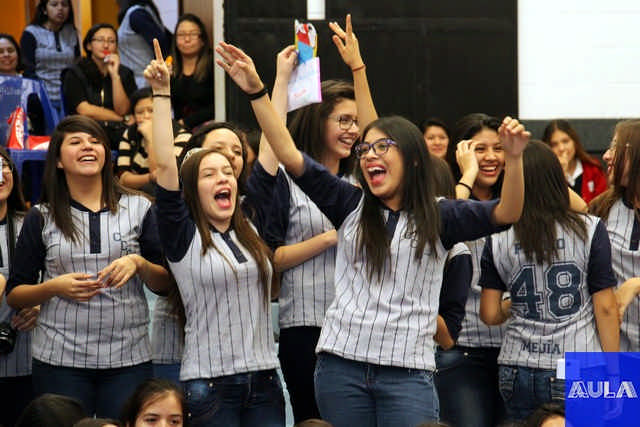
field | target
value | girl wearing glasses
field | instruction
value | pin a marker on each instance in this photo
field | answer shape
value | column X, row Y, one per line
column 192, row 73
column 375, row 363
column 304, row 237
column 619, row 207
column 49, row 45
column 98, row 86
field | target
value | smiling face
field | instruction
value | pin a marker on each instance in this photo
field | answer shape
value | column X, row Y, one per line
column 227, row 142
column 162, row 412
column 8, row 57
column 490, row 155
column 437, row 141
column 338, row 141
column 81, row 154
column 217, row 190
column 6, row 186
column 383, row 173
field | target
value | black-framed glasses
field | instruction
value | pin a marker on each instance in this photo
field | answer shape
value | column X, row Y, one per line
column 345, row 121
column 380, row 147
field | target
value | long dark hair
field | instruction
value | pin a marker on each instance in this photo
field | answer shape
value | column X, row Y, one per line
column 40, row 17
column 51, row 410
column 204, row 64
column 244, row 231
column 16, row 46
column 55, row 191
column 308, row 124
column 418, row 198
column 627, row 150
column 466, row 128
column 445, row 185
column 565, row 126
column 130, row 3
column 146, row 393
column 546, row 202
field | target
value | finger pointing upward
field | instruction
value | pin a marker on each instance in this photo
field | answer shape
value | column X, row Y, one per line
column 157, row 50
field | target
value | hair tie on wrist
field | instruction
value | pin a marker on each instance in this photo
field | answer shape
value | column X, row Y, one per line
column 358, row 68
column 160, row 95
column 262, row 92
column 465, row 186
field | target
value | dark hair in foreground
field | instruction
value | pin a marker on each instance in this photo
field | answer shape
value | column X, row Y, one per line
column 543, row 413
column 97, row 422
column 445, row 185
column 308, row 124
column 418, row 198
column 145, row 394
column 51, row 410
column 55, row 191
column 546, row 202
column 246, row 234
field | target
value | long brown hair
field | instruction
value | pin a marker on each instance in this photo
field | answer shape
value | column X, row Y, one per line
column 55, row 191
column 244, row 231
column 418, row 198
column 627, row 150
column 308, row 124
column 204, row 64
column 565, row 126
column 546, row 202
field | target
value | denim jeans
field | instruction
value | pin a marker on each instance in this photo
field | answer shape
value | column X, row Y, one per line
column 167, row 371
column 467, row 383
column 101, row 391
column 248, row 399
column 525, row 389
column 351, row 394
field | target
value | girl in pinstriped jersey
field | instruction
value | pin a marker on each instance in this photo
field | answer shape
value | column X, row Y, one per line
column 96, row 245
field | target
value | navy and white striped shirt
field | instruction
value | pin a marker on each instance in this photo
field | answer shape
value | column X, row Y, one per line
column 551, row 305
column 392, row 319
column 111, row 329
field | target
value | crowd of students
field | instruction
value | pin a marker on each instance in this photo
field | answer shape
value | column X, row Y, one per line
column 421, row 274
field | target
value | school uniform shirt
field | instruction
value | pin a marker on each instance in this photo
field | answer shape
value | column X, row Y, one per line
column 306, row 290
column 390, row 320
column 457, row 274
column 475, row 333
column 624, row 231
column 46, row 53
column 167, row 337
column 111, row 329
column 228, row 315
column 18, row 362
column 551, row 305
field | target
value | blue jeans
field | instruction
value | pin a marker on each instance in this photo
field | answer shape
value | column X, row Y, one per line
column 525, row 389
column 467, row 383
column 101, row 391
column 351, row 394
column 249, row 399
column 167, row 371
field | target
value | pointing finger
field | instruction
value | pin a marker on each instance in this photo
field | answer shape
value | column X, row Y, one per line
column 157, row 50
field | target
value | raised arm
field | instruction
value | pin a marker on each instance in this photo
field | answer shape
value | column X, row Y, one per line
column 514, row 138
column 157, row 74
column 286, row 62
column 239, row 66
column 349, row 50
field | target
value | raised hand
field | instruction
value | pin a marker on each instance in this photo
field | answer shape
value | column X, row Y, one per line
column 514, row 137
column 157, row 72
column 119, row 271
column 76, row 286
column 466, row 159
column 239, row 66
column 347, row 44
column 287, row 60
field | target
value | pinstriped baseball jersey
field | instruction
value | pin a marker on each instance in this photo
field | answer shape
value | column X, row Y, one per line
column 552, row 309
column 167, row 337
column 306, row 290
column 111, row 329
column 474, row 332
column 391, row 319
column 228, row 328
column 18, row 362
column 624, row 231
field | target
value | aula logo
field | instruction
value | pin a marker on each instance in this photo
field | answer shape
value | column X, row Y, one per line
column 605, row 389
